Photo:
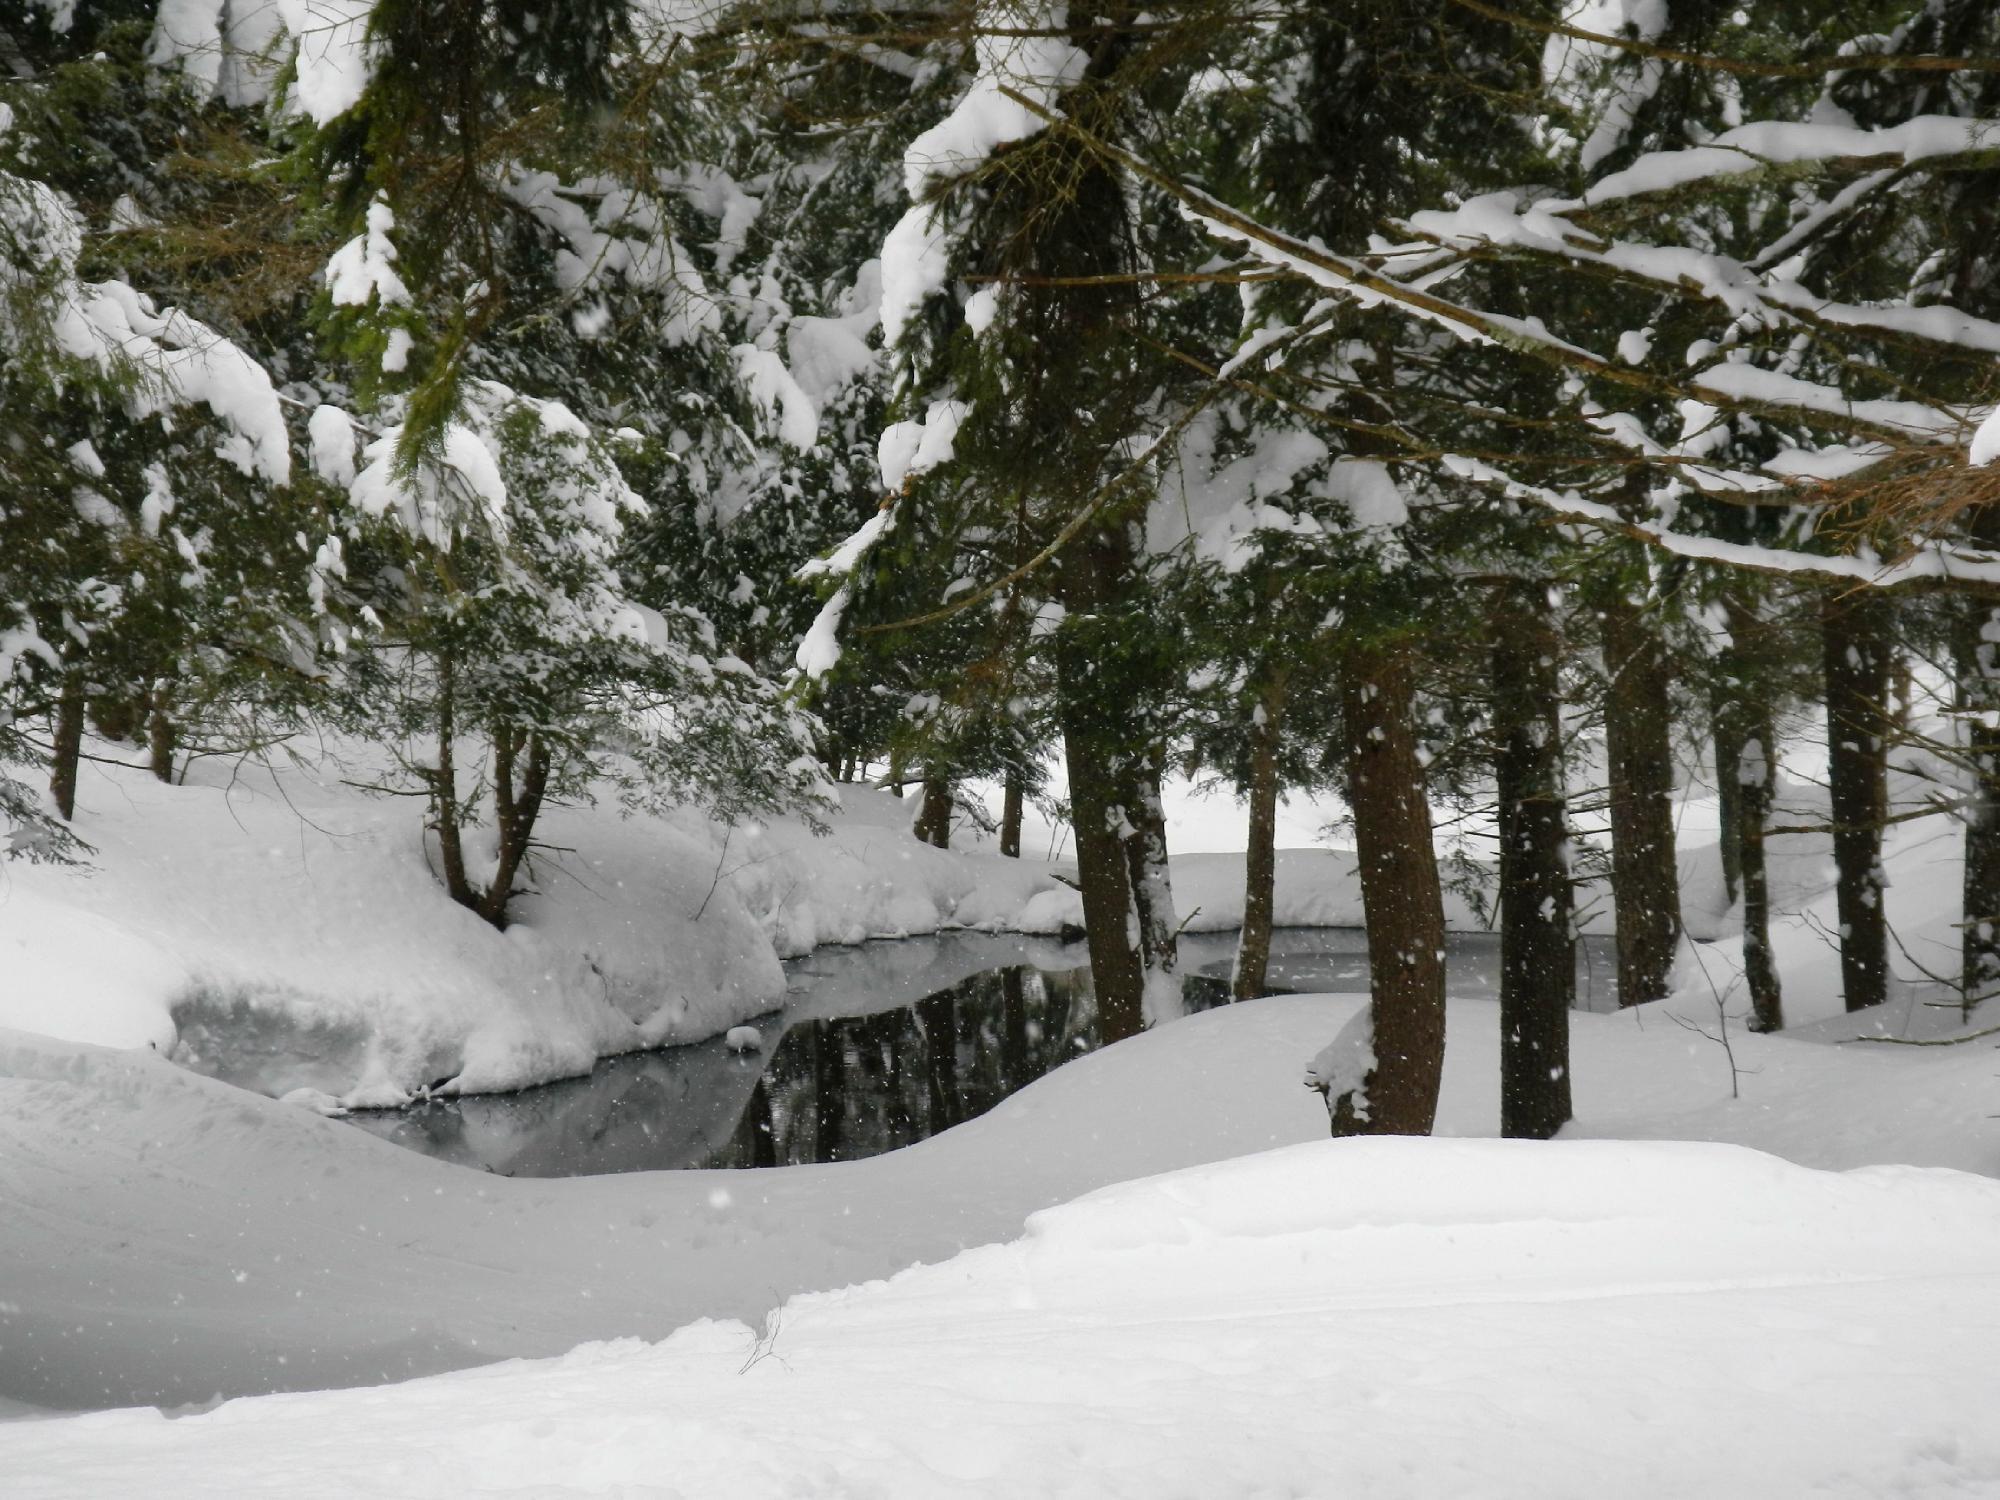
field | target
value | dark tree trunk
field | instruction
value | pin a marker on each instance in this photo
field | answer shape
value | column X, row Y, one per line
column 1645, row 880
column 520, row 780
column 1012, row 796
column 516, row 807
column 1726, row 721
column 1260, row 857
column 1145, row 823
column 1978, row 652
column 444, row 790
column 1400, row 897
column 1117, row 970
column 933, row 825
column 1102, row 726
column 1537, row 946
column 1856, row 628
column 66, row 749
column 161, row 737
column 1753, row 779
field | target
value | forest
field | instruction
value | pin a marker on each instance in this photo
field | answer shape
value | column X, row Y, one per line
column 546, row 446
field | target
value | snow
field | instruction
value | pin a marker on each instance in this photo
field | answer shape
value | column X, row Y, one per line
column 1462, row 1309
column 1754, row 147
column 916, row 260
column 332, row 433
column 219, row 917
column 364, row 269
column 1986, row 440
column 1037, row 67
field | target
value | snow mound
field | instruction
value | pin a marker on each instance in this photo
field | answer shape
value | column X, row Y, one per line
column 282, row 929
column 1455, row 1311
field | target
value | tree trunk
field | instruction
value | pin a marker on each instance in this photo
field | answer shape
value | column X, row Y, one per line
column 1110, row 922
column 1103, row 730
column 1013, row 795
column 933, row 825
column 444, row 790
column 161, row 738
column 1400, row 898
column 1145, row 830
column 1726, row 720
column 1978, row 700
column 1753, row 778
column 1645, row 879
column 1856, row 627
column 515, row 810
column 66, row 749
column 1537, row 945
column 1260, row 857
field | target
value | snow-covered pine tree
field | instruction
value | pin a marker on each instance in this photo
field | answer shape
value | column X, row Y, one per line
column 522, row 318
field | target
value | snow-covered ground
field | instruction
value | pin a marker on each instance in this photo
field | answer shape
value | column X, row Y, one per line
column 169, row 1237
column 1388, row 1318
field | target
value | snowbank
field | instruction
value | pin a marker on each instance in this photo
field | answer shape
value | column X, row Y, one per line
column 169, row 1237
column 1388, row 1318
column 283, row 928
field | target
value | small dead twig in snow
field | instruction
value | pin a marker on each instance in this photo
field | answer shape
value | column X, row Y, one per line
column 1721, row 1034
column 765, row 1345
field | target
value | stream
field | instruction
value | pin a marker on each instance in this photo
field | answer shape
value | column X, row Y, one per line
column 876, row 1047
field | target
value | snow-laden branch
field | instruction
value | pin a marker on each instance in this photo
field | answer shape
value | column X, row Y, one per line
column 1925, row 562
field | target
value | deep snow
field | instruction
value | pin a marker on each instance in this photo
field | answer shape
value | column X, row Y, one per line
column 169, row 1237
column 1386, row 1318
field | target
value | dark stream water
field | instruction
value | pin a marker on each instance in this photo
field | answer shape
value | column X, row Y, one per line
column 877, row 1047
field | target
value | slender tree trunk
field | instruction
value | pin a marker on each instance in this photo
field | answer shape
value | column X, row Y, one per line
column 1400, row 898
column 1855, row 632
column 1012, row 796
column 516, row 807
column 1537, row 945
column 161, row 737
column 444, row 790
column 933, row 825
column 1645, row 879
column 1145, row 829
column 1260, row 856
column 1753, row 778
column 66, row 749
column 1977, row 648
column 1726, row 712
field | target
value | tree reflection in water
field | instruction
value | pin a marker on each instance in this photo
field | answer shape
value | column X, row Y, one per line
column 854, row 1086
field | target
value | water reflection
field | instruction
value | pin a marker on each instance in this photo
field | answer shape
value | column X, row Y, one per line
column 877, row 1047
